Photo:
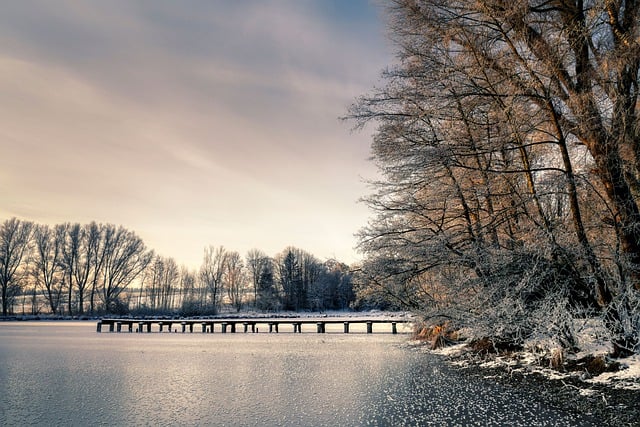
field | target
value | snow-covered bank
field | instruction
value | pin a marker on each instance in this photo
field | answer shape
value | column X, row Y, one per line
column 574, row 384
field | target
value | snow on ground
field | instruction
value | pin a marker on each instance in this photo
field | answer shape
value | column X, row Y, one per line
column 628, row 377
column 593, row 341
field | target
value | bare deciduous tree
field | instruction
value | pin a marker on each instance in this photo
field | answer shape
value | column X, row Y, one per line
column 15, row 236
column 212, row 273
column 124, row 258
column 255, row 261
column 497, row 116
column 235, row 279
column 47, row 264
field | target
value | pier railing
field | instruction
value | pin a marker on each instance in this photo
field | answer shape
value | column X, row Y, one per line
column 247, row 325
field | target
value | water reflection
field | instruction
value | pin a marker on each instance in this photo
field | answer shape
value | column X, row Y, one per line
column 66, row 374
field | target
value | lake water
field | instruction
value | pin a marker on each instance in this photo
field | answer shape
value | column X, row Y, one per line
column 66, row 374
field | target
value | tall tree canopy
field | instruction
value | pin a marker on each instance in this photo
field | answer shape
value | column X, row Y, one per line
column 509, row 144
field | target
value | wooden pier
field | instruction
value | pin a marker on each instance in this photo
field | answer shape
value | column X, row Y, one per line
column 253, row 325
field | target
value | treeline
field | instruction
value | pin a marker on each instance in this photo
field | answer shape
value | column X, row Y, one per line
column 74, row 269
column 508, row 139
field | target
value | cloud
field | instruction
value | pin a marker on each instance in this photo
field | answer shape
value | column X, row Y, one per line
column 193, row 123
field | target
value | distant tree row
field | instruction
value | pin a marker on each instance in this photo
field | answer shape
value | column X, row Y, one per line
column 74, row 269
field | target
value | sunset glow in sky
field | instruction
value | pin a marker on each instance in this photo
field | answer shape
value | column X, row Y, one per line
column 193, row 122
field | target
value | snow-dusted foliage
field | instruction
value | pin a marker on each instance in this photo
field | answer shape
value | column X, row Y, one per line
column 508, row 149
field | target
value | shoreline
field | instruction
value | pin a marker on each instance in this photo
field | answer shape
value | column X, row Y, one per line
column 609, row 402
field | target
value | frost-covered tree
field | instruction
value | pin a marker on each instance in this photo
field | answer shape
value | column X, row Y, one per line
column 509, row 145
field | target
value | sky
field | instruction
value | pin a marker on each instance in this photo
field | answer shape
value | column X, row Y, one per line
column 192, row 122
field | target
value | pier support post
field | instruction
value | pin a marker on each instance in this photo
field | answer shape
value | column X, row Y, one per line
column 346, row 327
column 130, row 324
column 224, row 327
column 111, row 327
column 184, row 326
column 119, row 326
column 140, row 327
column 204, row 327
column 99, row 326
column 190, row 327
column 320, row 327
column 233, row 328
column 212, row 325
column 369, row 327
column 245, row 326
column 394, row 328
column 270, row 327
column 160, row 325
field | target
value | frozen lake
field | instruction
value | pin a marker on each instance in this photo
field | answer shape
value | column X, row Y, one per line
column 64, row 374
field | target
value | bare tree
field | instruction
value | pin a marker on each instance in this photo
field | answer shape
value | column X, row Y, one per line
column 47, row 264
column 495, row 112
column 190, row 302
column 235, row 279
column 124, row 258
column 15, row 237
column 167, row 275
column 96, row 255
column 255, row 261
column 212, row 273
column 86, row 239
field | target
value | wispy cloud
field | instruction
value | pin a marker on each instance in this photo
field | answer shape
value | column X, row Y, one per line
column 193, row 123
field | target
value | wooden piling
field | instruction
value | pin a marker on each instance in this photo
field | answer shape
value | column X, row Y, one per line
column 146, row 325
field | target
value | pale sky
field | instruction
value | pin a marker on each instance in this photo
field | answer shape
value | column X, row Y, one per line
column 192, row 122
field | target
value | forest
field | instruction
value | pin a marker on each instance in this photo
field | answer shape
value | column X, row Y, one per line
column 92, row 269
column 508, row 144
